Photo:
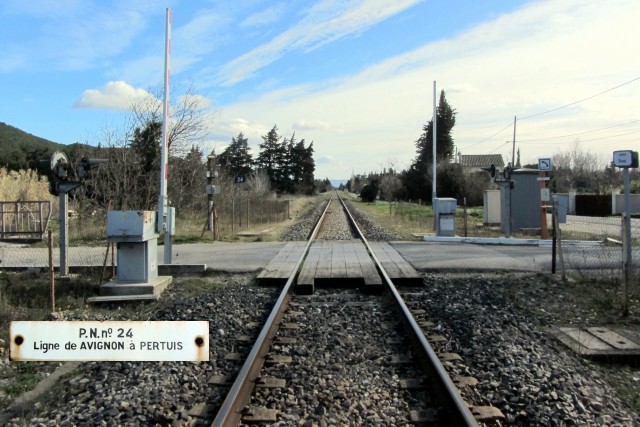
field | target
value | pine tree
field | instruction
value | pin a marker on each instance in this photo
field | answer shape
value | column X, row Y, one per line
column 417, row 179
column 446, row 120
column 147, row 151
column 236, row 158
column 267, row 158
column 302, row 167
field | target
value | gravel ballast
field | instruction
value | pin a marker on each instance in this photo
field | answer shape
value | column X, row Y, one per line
column 521, row 369
column 498, row 323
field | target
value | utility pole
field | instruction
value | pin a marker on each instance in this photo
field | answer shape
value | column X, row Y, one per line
column 626, row 159
column 434, row 127
column 435, row 151
column 165, row 217
column 513, row 147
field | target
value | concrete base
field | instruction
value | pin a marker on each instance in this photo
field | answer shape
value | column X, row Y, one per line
column 128, row 291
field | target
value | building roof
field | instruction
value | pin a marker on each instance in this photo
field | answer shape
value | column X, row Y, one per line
column 480, row 160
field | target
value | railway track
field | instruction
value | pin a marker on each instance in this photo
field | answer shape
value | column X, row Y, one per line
column 345, row 357
column 344, row 370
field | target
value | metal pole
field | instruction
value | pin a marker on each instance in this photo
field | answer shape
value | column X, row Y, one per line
column 626, row 243
column 505, row 200
column 435, row 128
column 561, row 256
column 63, row 200
column 543, row 209
column 168, row 236
column 52, row 283
column 513, row 148
column 210, row 196
column 513, row 166
column 554, row 237
column 2, row 220
column 164, row 155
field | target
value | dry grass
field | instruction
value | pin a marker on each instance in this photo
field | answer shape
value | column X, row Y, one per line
column 411, row 221
column 190, row 229
column 23, row 185
column 402, row 219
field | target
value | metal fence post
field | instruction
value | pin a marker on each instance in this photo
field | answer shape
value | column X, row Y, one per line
column 626, row 243
column 51, row 275
column 63, row 203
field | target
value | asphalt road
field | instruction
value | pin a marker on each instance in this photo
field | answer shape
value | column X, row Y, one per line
column 251, row 257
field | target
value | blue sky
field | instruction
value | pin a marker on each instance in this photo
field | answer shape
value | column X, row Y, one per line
column 354, row 77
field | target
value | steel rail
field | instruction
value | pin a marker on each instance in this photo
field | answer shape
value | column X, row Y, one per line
column 239, row 396
column 446, row 391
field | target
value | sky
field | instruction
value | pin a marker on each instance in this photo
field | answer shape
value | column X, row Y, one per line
column 356, row 78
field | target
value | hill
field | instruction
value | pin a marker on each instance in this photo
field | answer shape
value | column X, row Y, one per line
column 21, row 150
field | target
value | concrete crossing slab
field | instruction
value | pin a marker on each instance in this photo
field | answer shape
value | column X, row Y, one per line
column 600, row 341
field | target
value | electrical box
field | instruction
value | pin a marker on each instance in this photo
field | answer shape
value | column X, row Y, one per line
column 134, row 233
column 212, row 189
column 131, row 226
column 444, row 209
column 171, row 221
column 137, row 262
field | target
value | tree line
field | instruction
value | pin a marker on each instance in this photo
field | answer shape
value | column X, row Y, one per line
column 576, row 170
column 130, row 177
column 288, row 164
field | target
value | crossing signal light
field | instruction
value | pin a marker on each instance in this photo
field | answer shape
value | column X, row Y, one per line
column 492, row 170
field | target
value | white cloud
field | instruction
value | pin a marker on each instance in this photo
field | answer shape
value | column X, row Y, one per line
column 263, row 17
column 225, row 129
column 71, row 34
column 542, row 56
column 115, row 95
column 306, row 125
column 323, row 23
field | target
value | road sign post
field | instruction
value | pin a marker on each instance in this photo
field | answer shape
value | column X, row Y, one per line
column 626, row 159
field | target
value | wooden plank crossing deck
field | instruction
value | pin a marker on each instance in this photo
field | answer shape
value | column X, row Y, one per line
column 338, row 263
column 399, row 270
column 281, row 266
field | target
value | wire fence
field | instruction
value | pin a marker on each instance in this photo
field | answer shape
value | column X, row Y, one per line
column 21, row 256
column 593, row 247
column 589, row 246
column 240, row 213
column 88, row 246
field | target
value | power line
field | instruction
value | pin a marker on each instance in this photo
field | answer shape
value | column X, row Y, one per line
column 579, row 101
column 489, row 137
column 554, row 109
column 501, row 145
column 576, row 134
column 591, row 140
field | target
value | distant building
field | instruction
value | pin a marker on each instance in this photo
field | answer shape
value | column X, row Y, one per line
column 475, row 162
